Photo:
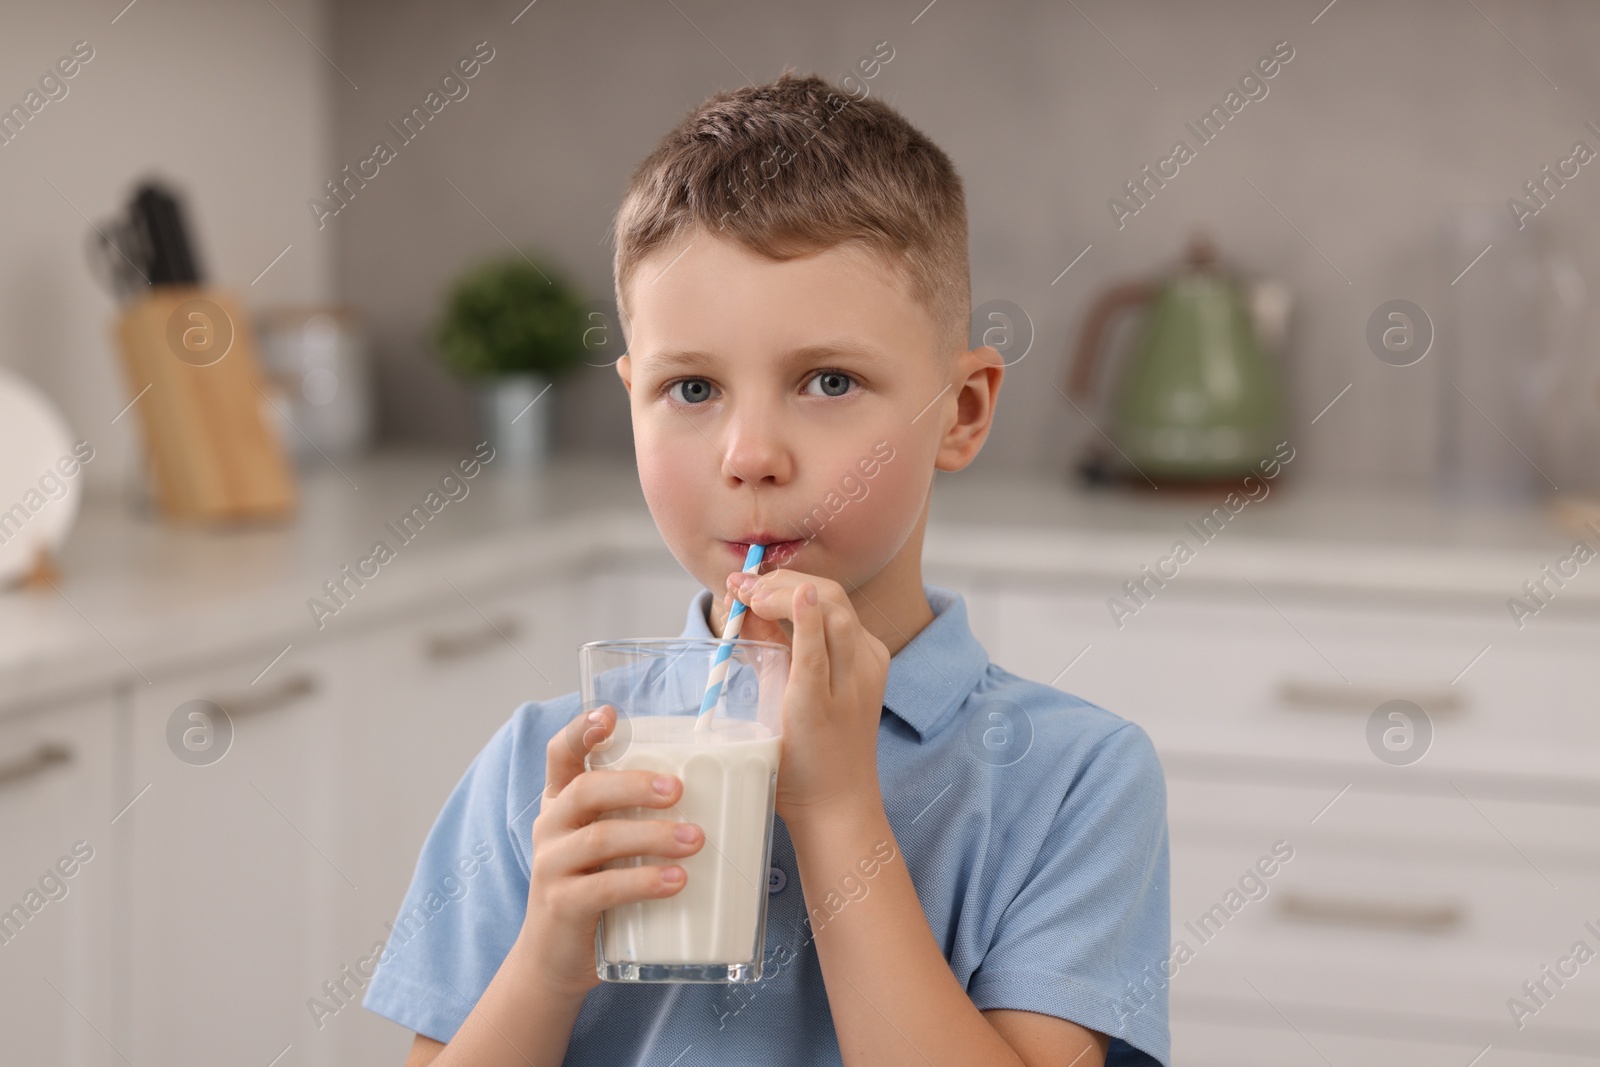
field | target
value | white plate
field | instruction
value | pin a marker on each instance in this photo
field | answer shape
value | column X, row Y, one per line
column 37, row 500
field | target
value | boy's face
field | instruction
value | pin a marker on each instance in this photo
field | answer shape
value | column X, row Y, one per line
column 816, row 409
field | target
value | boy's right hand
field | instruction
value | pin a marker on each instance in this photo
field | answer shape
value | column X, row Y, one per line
column 566, row 891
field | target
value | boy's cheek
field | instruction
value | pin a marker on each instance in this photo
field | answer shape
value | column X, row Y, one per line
column 886, row 508
column 673, row 488
column 666, row 477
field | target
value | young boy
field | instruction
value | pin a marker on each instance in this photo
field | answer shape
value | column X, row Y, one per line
column 967, row 868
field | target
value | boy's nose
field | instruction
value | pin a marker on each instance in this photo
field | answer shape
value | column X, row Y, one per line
column 753, row 452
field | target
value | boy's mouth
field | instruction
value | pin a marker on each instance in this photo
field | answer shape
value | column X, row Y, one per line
column 776, row 555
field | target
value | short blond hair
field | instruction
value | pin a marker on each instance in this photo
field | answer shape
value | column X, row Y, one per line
column 798, row 166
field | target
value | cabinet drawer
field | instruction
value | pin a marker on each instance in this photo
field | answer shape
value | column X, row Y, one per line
column 418, row 701
column 1301, row 679
column 1201, row 1040
column 231, row 869
column 59, row 853
column 1351, row 938
column 1444, row 825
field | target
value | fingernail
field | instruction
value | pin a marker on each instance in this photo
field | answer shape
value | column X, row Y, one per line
column 743, row 581
column 663, row 786
column 672, row 874
column 811, row 594
column 596, row 717
column 685, row 833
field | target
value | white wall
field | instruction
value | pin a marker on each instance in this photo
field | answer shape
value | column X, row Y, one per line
column 1387, row 114
column 227, row 101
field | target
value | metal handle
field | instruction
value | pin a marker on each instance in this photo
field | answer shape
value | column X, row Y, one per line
column 441, row 648
column 280, row 696
column 47, row 755
column 1434, row 918
column 1326, row 696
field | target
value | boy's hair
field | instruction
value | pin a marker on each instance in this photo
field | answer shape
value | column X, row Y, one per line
column 798, row 166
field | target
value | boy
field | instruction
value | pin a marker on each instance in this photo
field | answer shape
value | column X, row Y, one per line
column 968, row 868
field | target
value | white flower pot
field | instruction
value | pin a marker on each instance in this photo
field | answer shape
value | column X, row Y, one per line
column 514, row 416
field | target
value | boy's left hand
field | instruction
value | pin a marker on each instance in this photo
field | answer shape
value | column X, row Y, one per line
column 834, row 696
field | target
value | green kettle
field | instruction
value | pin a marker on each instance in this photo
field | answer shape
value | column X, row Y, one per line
column 1198, row 401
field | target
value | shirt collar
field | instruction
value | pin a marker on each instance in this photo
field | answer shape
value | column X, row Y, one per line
column 929, row 679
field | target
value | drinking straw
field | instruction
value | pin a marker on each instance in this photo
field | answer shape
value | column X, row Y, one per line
column 730, row 632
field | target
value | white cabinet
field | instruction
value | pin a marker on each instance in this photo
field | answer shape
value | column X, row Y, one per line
column 264, row 850
column 58, row 867
column 232, row 868
column 226, row 907
column 419, row 699
column 1217, row 1040
column 642, row 598
column 1230, row 673
column 1420, row 896
column 417, row 702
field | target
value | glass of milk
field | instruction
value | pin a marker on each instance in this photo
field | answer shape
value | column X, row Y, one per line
column 714, row 928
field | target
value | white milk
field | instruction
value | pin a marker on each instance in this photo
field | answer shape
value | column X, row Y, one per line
column 728, row 774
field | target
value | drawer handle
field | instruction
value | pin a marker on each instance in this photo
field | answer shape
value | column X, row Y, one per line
column 1372, row 914
column 1323, row 696
column 47, row 755
column 287, row 692
column 442, row 648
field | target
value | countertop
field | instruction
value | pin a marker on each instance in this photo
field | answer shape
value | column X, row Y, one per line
column 138, row 599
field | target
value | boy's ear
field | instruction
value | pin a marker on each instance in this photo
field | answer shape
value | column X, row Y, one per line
column 625, row 372
column 978, row 374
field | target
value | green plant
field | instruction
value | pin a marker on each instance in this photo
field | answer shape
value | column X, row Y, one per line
column 508, row 316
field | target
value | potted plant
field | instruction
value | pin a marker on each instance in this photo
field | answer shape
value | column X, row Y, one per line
column 512, row 328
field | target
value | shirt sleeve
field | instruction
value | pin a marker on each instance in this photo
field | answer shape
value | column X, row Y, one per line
column 1086, row 937
column 469, row 893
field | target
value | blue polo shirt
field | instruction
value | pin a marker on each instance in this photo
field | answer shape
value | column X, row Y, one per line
column 1032, row 823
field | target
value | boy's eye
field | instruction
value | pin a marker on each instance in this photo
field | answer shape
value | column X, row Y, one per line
column 698, row 390
column 834, row 383
column 695, row 390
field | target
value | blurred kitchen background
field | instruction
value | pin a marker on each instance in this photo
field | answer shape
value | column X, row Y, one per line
column 1338, row 182
column 1427, row 346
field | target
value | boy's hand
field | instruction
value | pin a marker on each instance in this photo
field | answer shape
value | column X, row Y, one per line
column 834, row 696
column 566, row 892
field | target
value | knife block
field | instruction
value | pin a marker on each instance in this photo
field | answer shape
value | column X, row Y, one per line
column 197, row 388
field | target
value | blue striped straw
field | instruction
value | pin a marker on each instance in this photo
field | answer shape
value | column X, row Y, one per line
column 730, row 632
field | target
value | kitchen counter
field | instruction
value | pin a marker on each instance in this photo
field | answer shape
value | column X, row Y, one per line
column 346, row 742
column 139, row 599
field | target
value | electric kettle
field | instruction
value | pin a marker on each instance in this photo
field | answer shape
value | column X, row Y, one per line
column 1198, row 400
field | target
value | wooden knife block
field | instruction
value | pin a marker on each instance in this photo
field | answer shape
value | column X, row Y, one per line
column 213, row 456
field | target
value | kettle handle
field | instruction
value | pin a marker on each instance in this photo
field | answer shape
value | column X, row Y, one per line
column 1081, row 369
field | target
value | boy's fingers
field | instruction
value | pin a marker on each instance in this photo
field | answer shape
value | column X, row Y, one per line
column 778, row 597
column 564, row 755
column 607, row 791
column 775, row 590
column 841, row 642
column 755, row 628
column 781, row 591
column 809, row 653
